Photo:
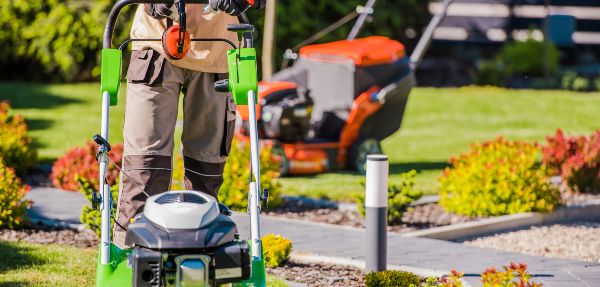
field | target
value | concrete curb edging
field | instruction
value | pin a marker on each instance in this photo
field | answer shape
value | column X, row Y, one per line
column 307, row 258
column 588, row 211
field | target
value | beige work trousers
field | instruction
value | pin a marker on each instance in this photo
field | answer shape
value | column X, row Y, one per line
column 153, row 90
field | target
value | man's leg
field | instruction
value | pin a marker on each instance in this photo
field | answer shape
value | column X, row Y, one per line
column 150, row 116
column 209, row 123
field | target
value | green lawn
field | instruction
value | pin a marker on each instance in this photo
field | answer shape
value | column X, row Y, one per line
column 35, row 265
column 438, row 124
column 24, row 264
column 61, row 116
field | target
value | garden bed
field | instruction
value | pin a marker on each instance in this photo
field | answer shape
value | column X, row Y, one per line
column 418, row 217
column 51, row 235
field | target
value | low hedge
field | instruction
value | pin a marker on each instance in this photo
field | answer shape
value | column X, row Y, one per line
column 15, row 145
column 498, row 177
column 12, row 203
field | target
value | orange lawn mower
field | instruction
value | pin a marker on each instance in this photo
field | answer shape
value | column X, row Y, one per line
column 339, row 100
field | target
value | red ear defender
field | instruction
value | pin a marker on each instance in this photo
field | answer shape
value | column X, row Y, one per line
column 176, row 43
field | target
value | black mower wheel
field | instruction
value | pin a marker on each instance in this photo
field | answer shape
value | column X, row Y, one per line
column 357, row 155
column 284, row 163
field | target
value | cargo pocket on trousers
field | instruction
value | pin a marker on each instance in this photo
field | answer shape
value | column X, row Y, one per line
column 230, row 116
column 145, row 67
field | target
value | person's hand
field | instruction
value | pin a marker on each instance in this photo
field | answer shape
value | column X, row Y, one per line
column 231, row 7
column 162, row 11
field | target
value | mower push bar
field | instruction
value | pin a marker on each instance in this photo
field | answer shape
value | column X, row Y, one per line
column 116, row 10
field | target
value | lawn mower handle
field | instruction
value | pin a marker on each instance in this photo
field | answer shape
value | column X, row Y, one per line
column 109, row 29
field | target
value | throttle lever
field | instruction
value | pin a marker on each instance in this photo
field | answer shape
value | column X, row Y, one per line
column 101, row 141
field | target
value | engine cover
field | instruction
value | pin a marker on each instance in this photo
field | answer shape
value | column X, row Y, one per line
column 181, row 220
column 183, row 209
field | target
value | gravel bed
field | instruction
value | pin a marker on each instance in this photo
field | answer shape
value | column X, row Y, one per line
column 319, row 275
column 48, row 235
column 578, row 241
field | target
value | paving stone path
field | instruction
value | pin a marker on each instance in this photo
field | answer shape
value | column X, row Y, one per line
column 347, row 243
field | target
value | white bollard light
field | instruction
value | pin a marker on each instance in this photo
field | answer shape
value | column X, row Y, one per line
column 376, row 204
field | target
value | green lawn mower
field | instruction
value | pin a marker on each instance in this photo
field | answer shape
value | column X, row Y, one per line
column 182, row 238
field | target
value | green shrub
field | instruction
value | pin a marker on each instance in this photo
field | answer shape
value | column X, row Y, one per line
column 491, row 72
column 90, row 217
column 276, row 250
column 12, row 205
column 234, row 191
column 566, row 82
column 392, row 278
column 400, row 196
column 497, row 178
column 518, row 58
column 15, row 145
column 526, row 58
column 597, row 83
column 581, row 84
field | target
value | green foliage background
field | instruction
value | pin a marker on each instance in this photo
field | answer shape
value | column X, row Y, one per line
column 60, row 40
column 54, row 40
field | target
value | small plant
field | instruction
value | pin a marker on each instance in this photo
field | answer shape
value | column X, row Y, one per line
column 234, row 191
column 276, row 250
column 15, row 145
column 12, row 204
column 514, row 275
column 452, row 280
column 81, row 162
column 597, row 83
column 400, row 196
column 575, row 159
column 91, row 217
column 497, row 178
column 392, row 278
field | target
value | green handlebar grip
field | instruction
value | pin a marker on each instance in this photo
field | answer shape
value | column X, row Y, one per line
column 110, row 77
column 242, row 74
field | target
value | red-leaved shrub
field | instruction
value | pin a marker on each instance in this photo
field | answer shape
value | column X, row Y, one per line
column 576, row 159
column 81, row 161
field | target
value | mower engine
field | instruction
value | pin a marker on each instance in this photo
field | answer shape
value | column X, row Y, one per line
column 285, row 115
column 186, row 238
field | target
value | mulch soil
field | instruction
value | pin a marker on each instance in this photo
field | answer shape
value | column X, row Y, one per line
column 319, row 275
column 51, row 235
